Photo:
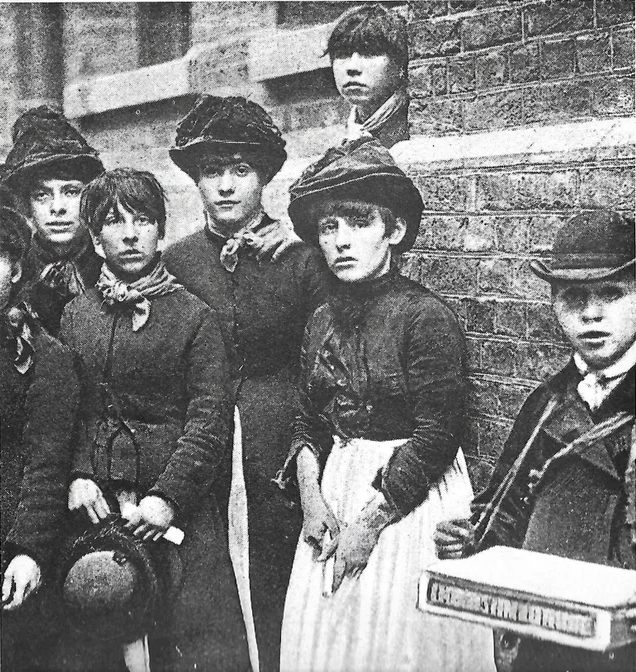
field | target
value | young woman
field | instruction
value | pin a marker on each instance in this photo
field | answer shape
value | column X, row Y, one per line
column 369, row 56
column 377, row 447
column 154, row 420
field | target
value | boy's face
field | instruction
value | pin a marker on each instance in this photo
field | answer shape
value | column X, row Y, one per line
column 231, row 191
column 55, row 210
column 366, row 81
column 599, row 318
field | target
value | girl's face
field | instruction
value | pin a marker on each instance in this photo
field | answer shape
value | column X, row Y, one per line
column 129, row 242
column 356, row 247
column 366, row 81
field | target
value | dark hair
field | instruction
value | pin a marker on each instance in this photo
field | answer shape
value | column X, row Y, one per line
column 370, row 30
column 261, row 161
column 355, row 210
column 15, row 233
column 135, row 190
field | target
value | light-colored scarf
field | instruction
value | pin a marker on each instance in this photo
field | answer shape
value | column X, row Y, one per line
column 19, row 332
column 137, row 294
column 245, row 237
column 391, row 106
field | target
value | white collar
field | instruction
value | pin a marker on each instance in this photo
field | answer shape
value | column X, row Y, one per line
column 615, row 370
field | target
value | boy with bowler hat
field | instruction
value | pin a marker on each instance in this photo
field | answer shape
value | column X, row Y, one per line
column 581, row 505
column 231, row 149
column 47, row 166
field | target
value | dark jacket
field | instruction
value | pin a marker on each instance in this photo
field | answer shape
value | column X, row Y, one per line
column 263, row 308
column 49, row 299
column 37, row 415
column 155, row 414
column 397, row 374
column 578, row 509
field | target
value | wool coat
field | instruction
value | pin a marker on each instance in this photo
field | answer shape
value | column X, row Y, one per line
column 577, row 510
column 155, row 416
column 37, row 415
column 263, row 308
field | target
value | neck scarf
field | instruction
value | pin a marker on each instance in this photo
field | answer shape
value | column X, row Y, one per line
column 137, row 294
column 391, row 106
column 245, row 237
column 61, row 274
column 17, row 329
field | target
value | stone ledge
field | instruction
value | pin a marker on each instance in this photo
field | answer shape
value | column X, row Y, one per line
column 605, row 139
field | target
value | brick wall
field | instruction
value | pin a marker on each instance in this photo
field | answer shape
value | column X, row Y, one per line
column 483, row 64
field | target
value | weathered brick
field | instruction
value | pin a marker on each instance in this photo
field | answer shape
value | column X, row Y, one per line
column 510, row 319
column 316, row 115
column 461, row 75
column 425, row 9
column 489, row 111
column 473, row 354
column 561, row 102
column 542, row 324
column 480, row 315
column 488, row 30
column 558, row 17
column 499, row 357
column 524, row 63
column 458, row 307
column 511, row 399
column 496, row 276
column 491, row 69
column 538, row 361
column 614, row 96
column 512, row 234
column 484, row 399
column 429, row 39
column 429, row 79
column 623, row 48
column 445, row 193
column 607, row 187
column 527, row 285
column 497, row 399
column 492, row 436
column 614, row 12
column 461, row 5
column 557, row 59
column 553, row 190
column 593, row 53
column 474, row 234
column 450, row 275
column 542, row 230
column 436, row 116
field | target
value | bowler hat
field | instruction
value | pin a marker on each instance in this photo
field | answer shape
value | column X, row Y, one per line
column 113, row 585
column 590, row 246
column 361, row 170
column 220, row 124
column 42, row 137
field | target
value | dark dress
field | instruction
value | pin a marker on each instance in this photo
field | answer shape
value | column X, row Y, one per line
column 155, row 416
column 262, row 308
column 49, row 296
column 579, row 509
column 37, row 415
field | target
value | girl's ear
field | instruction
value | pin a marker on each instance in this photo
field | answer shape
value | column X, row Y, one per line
column 398, row 233
column 97, row 245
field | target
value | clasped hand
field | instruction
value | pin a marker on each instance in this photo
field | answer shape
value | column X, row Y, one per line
column 21, row 578
column 454, row 538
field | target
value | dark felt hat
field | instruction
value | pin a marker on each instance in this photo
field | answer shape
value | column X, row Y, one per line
column 114, row 586
column 15, row 232
column 226, row 124
column 590, row 246
column 42, row 137
column 362, row 170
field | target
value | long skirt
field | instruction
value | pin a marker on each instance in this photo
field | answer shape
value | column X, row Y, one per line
column 371, row 623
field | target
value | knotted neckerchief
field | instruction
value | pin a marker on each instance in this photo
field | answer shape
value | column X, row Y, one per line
column 19, row 334
column 245, row 237
column 137, row 294
column 354, row 129
column 61, row 274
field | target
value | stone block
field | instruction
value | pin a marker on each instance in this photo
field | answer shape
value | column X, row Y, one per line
column 554, row 190
column 524, row 63
column 557, row 59
column 496, row 276
column 449, row 275
column 491, row 69
column 455, row 6
column 426, row 9
column 429, row 79
column 444, row 193
column 560, row 102
column 473, row 354
column 461, row 75
column 607, row 187
column 593, row 53
column 542, row 323
column 499, row 357
column 623, row 48
column 488, row 30
column 492, row 437
column 437, row 116
column 512, row 234
column 429, row 39
column 510, row 319
column 446, row 233
column 489, row 111
column 526, row 285
column 480, row 315
column 538, row 361
column 558, row 17
column 541, row 232
column 614, row 96
column 614, row 12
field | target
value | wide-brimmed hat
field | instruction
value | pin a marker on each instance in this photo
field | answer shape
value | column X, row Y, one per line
column 42, row 137
column 113, row 585
column 226, row 124
column 362, row 170
column 590, row 246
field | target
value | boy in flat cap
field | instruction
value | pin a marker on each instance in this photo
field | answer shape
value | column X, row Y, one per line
column 47, row 166
column 231, row 148
column 582, row 504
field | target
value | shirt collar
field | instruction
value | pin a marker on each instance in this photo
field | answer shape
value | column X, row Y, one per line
column 615, row 370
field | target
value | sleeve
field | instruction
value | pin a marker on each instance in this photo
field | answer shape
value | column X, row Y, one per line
column 435, row 354
column 191, row 470
column 51, row 407
column 315, row 278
